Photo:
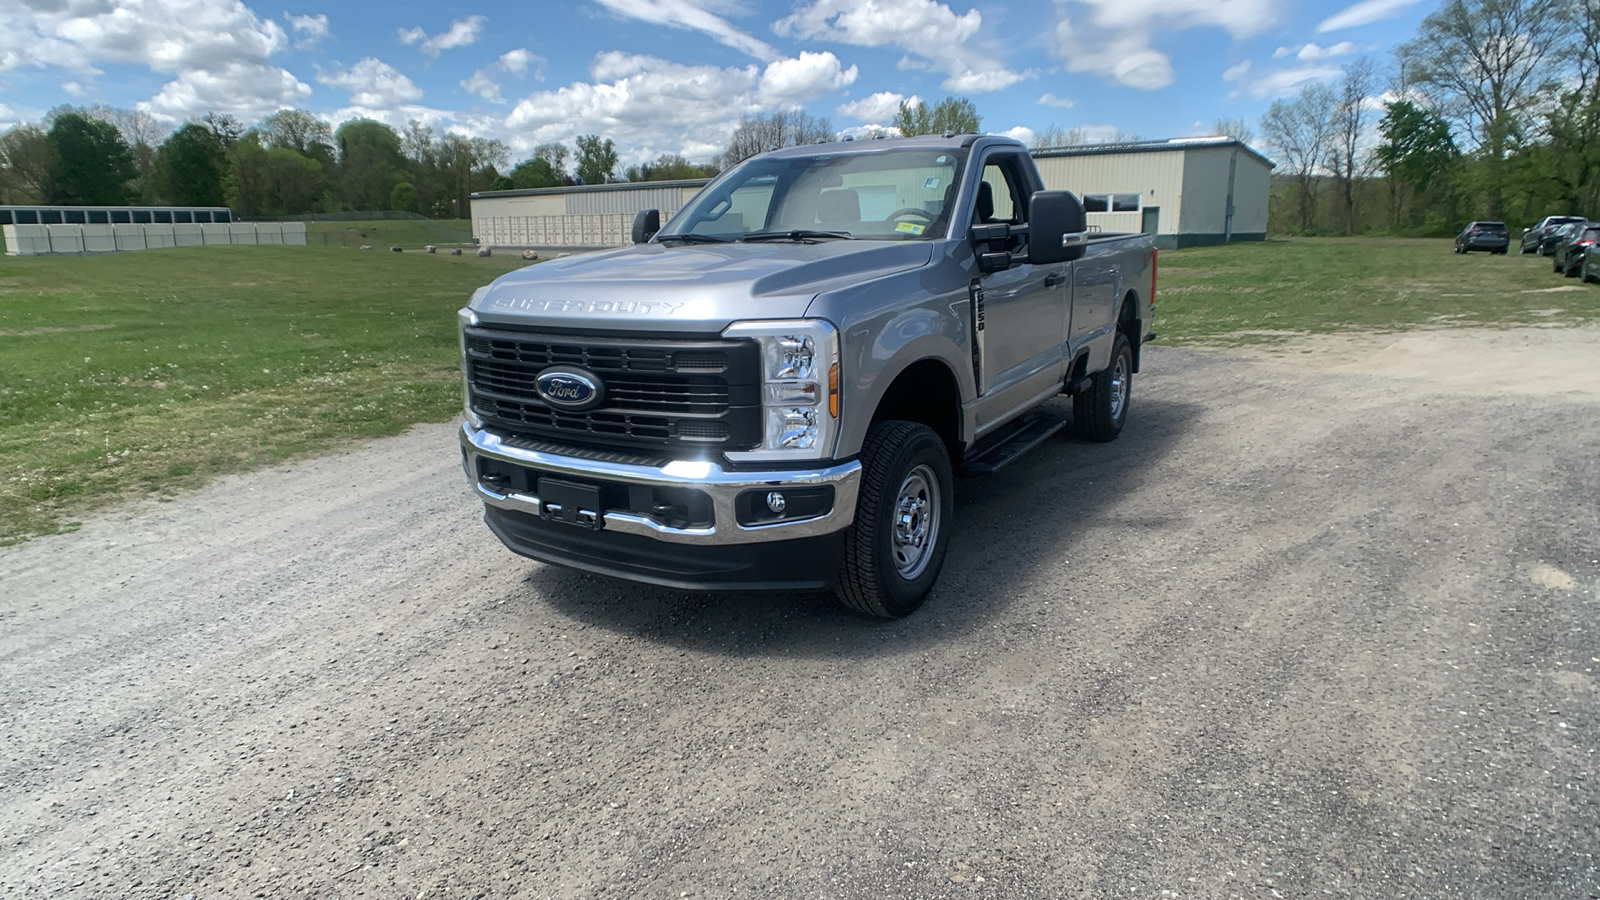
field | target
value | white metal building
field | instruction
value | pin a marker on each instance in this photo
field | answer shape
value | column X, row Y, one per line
column 1185, row 191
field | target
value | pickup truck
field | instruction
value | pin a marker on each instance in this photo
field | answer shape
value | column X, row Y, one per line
column 776, row 389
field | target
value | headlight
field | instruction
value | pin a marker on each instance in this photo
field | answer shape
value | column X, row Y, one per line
column 799, row 388
column 466, row 318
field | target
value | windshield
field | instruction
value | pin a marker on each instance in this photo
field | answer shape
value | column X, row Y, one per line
column 898, row 195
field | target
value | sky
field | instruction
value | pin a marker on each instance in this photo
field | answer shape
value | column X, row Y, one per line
column 674, row 76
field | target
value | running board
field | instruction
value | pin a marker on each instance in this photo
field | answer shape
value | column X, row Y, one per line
column 992, row 455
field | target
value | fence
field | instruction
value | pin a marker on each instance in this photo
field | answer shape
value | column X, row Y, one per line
column 33, row 240
column 597, row 230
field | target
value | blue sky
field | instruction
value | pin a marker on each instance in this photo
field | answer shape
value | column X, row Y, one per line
column 674, row 76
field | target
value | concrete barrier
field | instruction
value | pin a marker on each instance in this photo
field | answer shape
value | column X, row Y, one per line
column 65, row 238
column 268, row 233
column 187, row 236
column 158, row 236
column 129, row 237
column 99, row 239
column 216, row 234
column 26, row 240
column 242, row 233
column 294, row 233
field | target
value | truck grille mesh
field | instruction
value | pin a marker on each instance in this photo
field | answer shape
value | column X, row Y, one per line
column 658, row 394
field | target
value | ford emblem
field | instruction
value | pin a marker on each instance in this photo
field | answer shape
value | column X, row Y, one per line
column 568, row 387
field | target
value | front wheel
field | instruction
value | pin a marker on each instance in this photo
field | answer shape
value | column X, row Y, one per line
column 893, row 552
column 1099, row 413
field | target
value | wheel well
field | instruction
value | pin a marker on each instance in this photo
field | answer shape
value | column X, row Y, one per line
column 925, row 392
column 1128, row 324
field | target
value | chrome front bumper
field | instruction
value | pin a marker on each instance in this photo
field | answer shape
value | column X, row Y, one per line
column 723, row 487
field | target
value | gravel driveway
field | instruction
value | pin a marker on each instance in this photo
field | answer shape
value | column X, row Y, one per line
column 1309, row 627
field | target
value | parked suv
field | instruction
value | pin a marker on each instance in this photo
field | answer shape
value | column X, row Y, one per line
column 1490, row 236
column 1533, row 238
column 1568, row 258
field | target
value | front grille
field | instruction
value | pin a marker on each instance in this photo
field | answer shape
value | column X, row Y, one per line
column 658, row 393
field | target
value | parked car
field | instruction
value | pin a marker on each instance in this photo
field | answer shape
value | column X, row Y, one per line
column 1559, row 235
column 1490, row 236
column 1589, row 264
column 1568, row 257
column 1533, row 238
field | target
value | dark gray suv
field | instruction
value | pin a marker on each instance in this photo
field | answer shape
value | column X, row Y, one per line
column 1484, row 235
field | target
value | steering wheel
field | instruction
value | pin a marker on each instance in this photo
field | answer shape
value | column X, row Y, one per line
column 910, row 211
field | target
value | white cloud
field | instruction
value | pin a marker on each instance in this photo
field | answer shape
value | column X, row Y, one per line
column 1048, row 99
column 884, row 105
column 517, row 62
column 1312, row 52
column 1234, row 73
column 1113, row 37
column 308, row 30
column 791, row 82
column 461, row 33
column 1364, row 13
column 520, row 60
column 650, row 106
column 168, row 36
column 1022, row 133
column 483, row 85
column 695, row 17
column 869, row 132
column 930, row 32
column 247, row 90
column 74, row 89
column 373, row 83
column 1281, row 83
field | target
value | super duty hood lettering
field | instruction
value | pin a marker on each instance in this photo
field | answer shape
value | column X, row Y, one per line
column 581, row 307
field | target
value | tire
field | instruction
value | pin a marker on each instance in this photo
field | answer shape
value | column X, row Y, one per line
column 1555, row 265
column 1583, row 271
column 1568, row 270
column 895, row 548
column 1099, row 413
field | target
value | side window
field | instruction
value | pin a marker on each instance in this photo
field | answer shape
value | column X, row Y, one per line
column 1004, row 193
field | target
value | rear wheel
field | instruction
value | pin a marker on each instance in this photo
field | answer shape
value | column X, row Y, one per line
column 895, row 549
column 1099, row 413
column 1583, row 270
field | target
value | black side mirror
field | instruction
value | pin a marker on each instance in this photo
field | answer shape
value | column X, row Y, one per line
column 1058, row 228
column 646, row 222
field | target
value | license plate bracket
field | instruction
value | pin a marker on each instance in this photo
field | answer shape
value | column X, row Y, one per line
column 571, row 503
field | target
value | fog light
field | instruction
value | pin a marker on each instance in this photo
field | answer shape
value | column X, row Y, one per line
column 776, row 502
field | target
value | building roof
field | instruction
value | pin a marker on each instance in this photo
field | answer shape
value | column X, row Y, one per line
column 595, row 188
column 1167, row 146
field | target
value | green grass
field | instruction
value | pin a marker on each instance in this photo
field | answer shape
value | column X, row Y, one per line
column 1269, row 290
column 385, row 233
column 148, row 373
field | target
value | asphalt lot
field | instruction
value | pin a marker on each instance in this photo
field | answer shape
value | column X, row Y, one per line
column 1322, row 621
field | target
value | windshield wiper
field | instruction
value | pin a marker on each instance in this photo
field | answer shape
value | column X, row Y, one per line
column 798, row 235
column 692, row 238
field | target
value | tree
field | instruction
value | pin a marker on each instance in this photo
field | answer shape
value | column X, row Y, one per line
column 91, row 164
column 1300, row 130
column 296, row 181
column 403, row 197
column 27, row 159
column 471, row 164
column 597, row 159
column 1417, row 151
column 224, row 127
column 1234, row 128
column 248, row 183
column 370, row 163
column 1059, row 136
column 955, row 115
column 667, row 167
column 1346, row 157
column 1484, row 59
column 297, row 130
column 784, row 128
column 190, row 167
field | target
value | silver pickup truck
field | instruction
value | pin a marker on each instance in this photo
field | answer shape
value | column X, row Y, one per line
column 776, row 389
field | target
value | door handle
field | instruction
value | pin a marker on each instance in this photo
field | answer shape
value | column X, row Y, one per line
column 1054, row 278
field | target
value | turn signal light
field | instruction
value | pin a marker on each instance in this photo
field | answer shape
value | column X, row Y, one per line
column 833, row 390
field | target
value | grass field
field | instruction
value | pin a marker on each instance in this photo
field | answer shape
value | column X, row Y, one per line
column 148, row 373
column 1268, row 290
column 411, row 234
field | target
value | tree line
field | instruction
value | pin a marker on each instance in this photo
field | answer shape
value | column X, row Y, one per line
column 1491, row 111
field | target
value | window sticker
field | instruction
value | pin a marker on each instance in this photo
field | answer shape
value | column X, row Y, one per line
column 931, row 184
column 910, row 228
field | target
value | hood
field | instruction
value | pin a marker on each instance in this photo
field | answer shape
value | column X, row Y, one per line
column 698, row 288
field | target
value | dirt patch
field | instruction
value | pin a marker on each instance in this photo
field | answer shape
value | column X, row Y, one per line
column 1544, row 361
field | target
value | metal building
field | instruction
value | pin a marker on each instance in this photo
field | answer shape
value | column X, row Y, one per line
column 1186, row 191
column 581, row 217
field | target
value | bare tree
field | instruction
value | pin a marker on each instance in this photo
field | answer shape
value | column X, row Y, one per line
column 26, row 160
column 1059, row 136
column 1348, row 158
column 1486, row 60
column 758, row 134
column 295, row 129
column 1299, row 131
column 1234, row 128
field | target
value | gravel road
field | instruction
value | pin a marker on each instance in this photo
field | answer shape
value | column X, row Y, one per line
column 1309, row 627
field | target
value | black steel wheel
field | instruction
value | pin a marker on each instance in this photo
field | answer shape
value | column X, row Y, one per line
column 1098, row 413
column 895, row 549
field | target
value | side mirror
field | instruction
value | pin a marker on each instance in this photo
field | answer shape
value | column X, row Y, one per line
column 1058, row 228
column 646, row 222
